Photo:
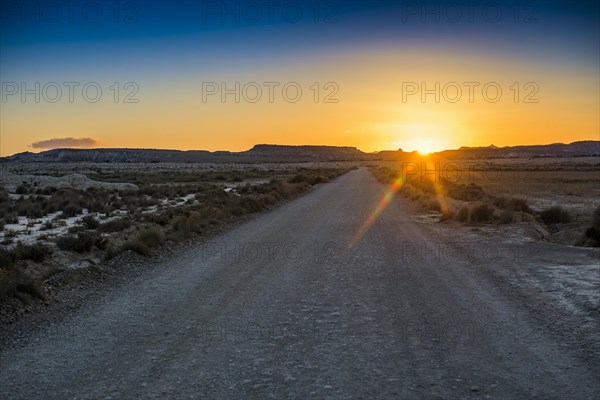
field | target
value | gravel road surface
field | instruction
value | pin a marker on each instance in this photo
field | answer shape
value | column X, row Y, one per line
column 292, row 304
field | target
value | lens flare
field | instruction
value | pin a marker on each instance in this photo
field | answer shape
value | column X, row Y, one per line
column 383, row 203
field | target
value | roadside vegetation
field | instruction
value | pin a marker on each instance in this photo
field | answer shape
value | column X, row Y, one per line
column 469, row 203
column 52, row 227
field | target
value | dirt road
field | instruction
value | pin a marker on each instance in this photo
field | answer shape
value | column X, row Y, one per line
column 293, row 305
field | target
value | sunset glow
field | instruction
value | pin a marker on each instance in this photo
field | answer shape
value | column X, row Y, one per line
column 365, row 80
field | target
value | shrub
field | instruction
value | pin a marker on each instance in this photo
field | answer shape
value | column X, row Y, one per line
column 593, row 232
column 555, row 215
column 470, row 192
column 35, row 252
column 482, row 212
column 318, row 179
column 22, row 189
column 251, row 203
column 71, row 210
column 463, row 214
column 193, row 223
column 47, row 225
column 298, row 178
column 2, row 224
column 90, row 222
column 596, row 218
column 7, row 257
column 506, row 217
column 10, row 218
column 433, row 205
column 116, row 225
column 161, row 219
column 447, row 215
column 512, row 204
column 15, row 281
column 152, row 236
column 136, row 246
column 83, row 242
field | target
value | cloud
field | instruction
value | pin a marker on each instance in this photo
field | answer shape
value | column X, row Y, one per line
column 64, row 142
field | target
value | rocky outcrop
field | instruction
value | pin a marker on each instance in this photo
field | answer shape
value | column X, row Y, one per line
column 75, row 181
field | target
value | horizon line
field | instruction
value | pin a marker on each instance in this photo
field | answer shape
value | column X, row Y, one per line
column 297, row 145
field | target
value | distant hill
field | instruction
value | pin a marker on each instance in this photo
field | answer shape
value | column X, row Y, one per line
column 259, row 153
column 305, row 153
column 281, row 153
column 588, row 148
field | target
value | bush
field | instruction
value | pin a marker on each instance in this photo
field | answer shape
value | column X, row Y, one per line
column 152, row 236
column 593, row 232
column 555, row 215
column 116, row 225
column 35, row 252
column 136, row 246
column 47, row 225
column 83, row 242
column 298, row 178
column 318, row 179
column 7, row 257
column 470, row 192
column 447, row 215
column 193, row 223
column 90, row 222
column 482, row 212
column 22, row 189
column 433, row 205
column 71, row 210
column 512, row 204
column 596, row 218
column 161, row 219
column 506, row 217
column 15, row 281
column 463, row 214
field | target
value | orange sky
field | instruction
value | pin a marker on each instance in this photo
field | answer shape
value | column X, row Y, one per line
column 370, row 113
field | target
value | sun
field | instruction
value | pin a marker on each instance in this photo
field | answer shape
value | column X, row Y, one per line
column 423, row 137
column 424, row 150
column 424, row 146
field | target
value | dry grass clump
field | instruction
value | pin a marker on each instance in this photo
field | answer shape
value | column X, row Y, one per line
column 593, row 232
column 459, row 191
column 190, row 223
column 512, row 204
column 481, row 212
column 555, row 215
column 115, row 225
column 463, row 214
column 81, row 243
column 90, row 222
column 14, row 279
column 136, row 246
column 35, row 252
column 152, row 236
column 147, row 239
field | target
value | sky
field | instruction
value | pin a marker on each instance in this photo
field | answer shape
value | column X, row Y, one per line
column 225, row 75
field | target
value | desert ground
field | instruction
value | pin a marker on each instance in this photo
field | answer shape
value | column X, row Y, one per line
column 307, row 280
